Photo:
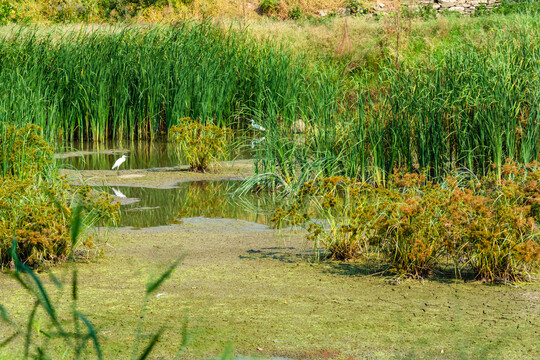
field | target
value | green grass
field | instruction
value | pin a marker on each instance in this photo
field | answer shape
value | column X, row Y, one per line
column 449, row 103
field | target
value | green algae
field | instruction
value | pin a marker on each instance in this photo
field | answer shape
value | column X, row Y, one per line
column 237, row 286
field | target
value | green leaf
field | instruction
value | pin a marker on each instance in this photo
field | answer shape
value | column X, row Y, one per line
column 8, row 340
column 153, row 286
column 55, row 280
column 40, row 294
column 92, row 333
column 28, row 337
column 76, row 222
column 151, row 345
column 4, row 314
column 74, row 285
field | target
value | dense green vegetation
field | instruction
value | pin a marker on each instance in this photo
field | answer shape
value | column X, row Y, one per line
column 131, row 82
column 418, row 160
column 467, row 105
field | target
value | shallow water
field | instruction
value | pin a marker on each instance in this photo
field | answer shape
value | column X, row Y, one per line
column 148, row 207
column 142, row 154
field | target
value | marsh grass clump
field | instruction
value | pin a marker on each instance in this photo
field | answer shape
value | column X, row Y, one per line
column 414, row 225
column 35, row 203
column 37, row 212
column 492, row 227
column 200, row 144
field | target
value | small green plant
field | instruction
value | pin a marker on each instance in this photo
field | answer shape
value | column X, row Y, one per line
column 8, row 13
column 427, row 12
column 353, row 6
column 23, row 151
column 295, row 13
column 268, row 6
column 200, row 144
column 480, row 10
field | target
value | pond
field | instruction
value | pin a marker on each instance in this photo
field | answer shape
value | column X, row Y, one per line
column 144, row 206
column 147, row 207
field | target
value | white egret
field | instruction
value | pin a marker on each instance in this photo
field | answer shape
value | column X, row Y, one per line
column 254, row 142
column 257, row 126
column 118, row 193
column 118, row 163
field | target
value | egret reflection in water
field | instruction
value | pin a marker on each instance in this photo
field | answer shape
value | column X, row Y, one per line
column 118, row 193
column 209, row 199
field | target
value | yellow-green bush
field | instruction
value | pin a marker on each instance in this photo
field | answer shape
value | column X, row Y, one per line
column 23, row 151
column 35, row 203
column 200, row 144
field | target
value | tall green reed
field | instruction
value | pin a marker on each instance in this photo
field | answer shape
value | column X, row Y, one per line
column 466, row 106
column 135, row 82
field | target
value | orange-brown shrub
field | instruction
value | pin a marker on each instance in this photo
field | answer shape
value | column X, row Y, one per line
column 487, row 226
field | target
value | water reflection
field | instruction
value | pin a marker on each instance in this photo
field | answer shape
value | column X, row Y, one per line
column 209, row 199
column 142, row 154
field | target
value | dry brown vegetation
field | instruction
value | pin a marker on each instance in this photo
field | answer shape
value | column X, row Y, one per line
column 47, row 10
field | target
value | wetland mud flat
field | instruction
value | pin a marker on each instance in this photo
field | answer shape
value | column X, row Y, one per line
column 256, row 289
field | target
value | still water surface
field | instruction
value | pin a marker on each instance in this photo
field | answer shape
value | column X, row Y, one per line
column 142, row 154
column 147, row 207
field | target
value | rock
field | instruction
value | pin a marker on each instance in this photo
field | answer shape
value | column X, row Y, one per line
column 342, row 11
column 323, row 13
column 381, row 5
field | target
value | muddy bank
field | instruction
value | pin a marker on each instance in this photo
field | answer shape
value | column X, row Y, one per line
column 259, row 290
column 82, row 153
column 160, row 177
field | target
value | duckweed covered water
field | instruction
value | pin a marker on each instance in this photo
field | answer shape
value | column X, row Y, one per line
column 147, row 207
